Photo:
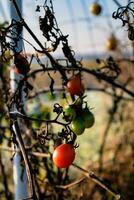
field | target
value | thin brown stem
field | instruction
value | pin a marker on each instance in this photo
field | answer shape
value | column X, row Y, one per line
column 98, row 180
column 64, row 187
column 22, row 116
column 99, row 76
column 93, row 89
column 33, row 153
column 26, row 160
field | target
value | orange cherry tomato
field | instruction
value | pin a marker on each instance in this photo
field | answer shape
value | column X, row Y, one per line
column 95, row 8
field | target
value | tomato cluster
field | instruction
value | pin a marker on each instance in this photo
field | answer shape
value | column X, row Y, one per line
column 79, row 117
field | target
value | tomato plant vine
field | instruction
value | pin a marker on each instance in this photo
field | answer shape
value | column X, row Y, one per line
column 72, row 119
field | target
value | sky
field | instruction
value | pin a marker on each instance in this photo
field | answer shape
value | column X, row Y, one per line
column 87, row 33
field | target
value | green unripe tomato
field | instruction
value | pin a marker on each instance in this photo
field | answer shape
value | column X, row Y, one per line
column 69, row 113
column 88, row 118
column 78, row 126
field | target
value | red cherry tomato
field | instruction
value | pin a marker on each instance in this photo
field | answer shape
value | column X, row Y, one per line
column 75, row 85
column 64, row 155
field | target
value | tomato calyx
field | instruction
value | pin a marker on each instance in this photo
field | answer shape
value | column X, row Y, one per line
column 69, row 113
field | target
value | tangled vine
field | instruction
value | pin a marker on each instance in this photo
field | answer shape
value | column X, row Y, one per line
column 126, row 15
column 67, row 118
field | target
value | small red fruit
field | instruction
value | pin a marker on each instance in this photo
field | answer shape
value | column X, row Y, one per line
column 63, row 155
column 75, row 85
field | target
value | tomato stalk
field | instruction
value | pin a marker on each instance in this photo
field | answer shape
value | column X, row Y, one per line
column 21, row 173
